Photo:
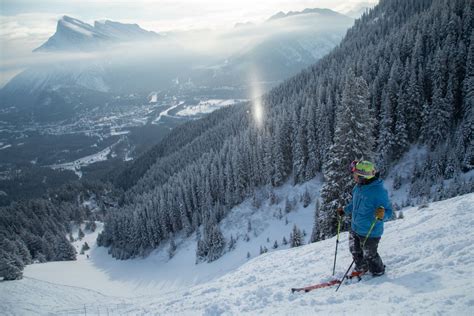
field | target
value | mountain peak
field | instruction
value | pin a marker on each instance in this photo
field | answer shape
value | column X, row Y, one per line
column 73, row 34
column 320, row 11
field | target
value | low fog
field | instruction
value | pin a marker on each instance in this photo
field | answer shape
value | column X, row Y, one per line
column 203, row 57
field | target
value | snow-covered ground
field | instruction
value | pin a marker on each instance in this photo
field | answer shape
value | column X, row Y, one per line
column 207, row 106
column 5, row 147
column 164, row 113
column 429, row 256
column 76, row 165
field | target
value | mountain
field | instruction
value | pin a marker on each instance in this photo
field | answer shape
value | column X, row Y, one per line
column 281, row 47
column 74, row 35
column 118, row 66
column 355, row 10
column 386, row 88
column 428, row 271
column 319, row 11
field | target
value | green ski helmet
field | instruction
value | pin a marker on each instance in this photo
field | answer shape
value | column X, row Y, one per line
column 364, row 169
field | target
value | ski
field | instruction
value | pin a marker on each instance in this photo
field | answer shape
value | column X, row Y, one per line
column 306, row 289
column 315, row 286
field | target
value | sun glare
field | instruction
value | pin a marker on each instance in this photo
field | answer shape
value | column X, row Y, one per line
column 256, row 93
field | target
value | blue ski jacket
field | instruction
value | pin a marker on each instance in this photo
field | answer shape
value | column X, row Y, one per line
column 366, row 198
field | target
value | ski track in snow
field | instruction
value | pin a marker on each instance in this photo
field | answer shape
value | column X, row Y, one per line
column 429, row 256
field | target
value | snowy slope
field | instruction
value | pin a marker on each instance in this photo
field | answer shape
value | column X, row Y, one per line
column 429, row 256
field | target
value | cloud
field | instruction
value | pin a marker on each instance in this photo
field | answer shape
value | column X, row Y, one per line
column 26, row 24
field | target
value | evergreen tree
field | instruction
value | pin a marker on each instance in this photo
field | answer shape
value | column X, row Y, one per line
column 315, row 231
column 80, row 234
column 296, row 237
column 306, row 198
column 232, row 243
column 353, row 140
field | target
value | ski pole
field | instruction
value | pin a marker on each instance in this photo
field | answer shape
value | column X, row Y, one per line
column 337, row 243
column 363, row 244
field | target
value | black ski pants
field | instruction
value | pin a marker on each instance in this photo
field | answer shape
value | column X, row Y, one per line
column 367, row 257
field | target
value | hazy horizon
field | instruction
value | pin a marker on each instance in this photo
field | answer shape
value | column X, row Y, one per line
column 25, row 25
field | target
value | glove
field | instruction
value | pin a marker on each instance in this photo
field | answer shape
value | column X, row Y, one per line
column 379, row 213
column 340, row 211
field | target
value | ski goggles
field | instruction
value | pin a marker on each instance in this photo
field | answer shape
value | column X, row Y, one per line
column 364, row 173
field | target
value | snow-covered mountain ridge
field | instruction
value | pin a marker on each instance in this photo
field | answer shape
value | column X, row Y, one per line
column 429, row 256
column 73, row 34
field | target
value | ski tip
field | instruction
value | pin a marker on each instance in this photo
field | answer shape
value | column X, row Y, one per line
column 293, row 291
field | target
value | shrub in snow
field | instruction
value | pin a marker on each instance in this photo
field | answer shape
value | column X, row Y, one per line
column 84, row 248
column 280, row 214
column 81, row 234
column 274, row 199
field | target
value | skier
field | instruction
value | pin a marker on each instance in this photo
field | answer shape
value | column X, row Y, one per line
column 369, row 202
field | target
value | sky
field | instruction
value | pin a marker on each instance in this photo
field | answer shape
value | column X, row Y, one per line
column 26, row 24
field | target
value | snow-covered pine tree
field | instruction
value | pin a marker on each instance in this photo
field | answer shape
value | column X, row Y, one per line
column 353, row 139
column 313, row 163
column 10, row 268
column 232, row 243
column 300, row 147
column 315, row 230
column 306, row 198
column 296, row 237
column 80, row 234
column 467, row 139
column 172, row 249
column 216, row 242
column 288, row 205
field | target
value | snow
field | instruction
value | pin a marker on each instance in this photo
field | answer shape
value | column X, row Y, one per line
column 77, row 28
column 165, row 112
column 114, row 132
column 207, row 106
column 5, row 147
column 153, row 97
column 429, row 256
column 76, row 165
